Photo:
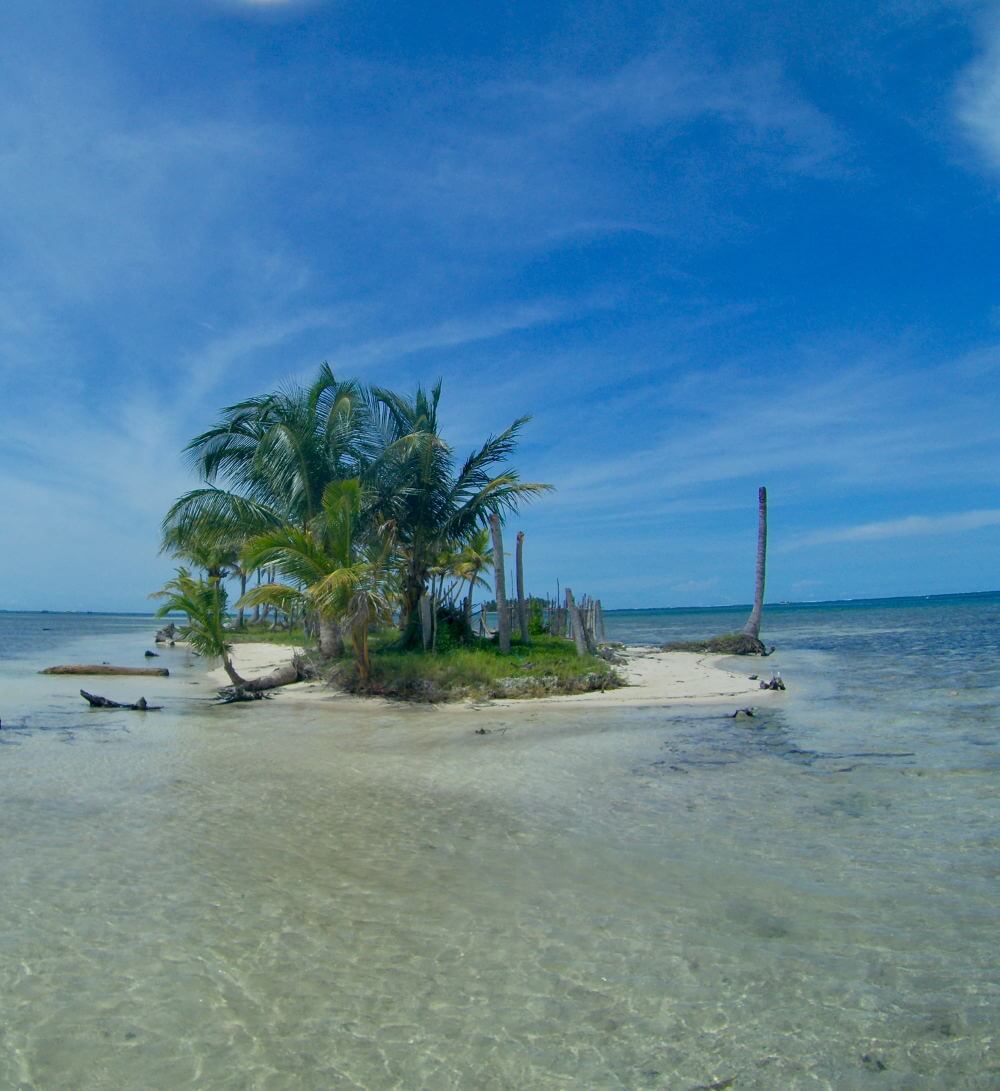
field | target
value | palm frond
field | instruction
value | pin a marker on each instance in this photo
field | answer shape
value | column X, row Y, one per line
column 214, row 516
column 282, row 596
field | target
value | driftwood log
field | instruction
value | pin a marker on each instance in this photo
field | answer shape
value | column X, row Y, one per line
column 104, row 668
column 288, row 673
column 298, row 670
column 96, row 701
column 235, row 694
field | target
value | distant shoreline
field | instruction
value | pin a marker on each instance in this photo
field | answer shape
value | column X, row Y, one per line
column 898, row 600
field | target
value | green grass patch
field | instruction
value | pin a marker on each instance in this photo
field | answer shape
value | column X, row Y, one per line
column 548, row 665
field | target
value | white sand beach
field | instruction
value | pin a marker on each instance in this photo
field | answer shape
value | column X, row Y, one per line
column 654, row 678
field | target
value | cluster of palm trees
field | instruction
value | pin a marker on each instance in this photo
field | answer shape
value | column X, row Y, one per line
column 350, row 501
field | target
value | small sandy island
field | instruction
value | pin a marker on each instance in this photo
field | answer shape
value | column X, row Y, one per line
column 653, row 677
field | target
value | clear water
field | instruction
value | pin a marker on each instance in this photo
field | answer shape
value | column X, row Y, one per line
column 292, row 896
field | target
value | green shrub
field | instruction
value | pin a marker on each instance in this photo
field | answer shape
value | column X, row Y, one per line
column 536, row 618
column 725, row 644
column 548, row 665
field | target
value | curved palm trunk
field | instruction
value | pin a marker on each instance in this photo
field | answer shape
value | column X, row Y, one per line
column 234, row 677
column 503, row 616
column 752, row 627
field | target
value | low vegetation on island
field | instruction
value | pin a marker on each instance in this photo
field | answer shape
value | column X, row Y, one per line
column 350, row 526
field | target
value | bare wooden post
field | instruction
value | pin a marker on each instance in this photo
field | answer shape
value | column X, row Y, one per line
column 599, row 632
column 573, row 613
column 503, row 617
column 522, row 606
column 584, row 642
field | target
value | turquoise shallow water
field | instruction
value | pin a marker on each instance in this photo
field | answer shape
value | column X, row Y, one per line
column 286, row 896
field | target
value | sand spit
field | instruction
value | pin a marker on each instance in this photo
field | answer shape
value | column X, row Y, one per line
column 654, row 677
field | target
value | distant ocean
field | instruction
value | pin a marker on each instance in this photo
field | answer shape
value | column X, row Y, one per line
column 293, row 896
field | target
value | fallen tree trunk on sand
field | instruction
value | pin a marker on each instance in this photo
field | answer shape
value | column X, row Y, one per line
column 96, row 701
column 251, row 689
column 104, row 668
column 284, row 675
column 234, row 696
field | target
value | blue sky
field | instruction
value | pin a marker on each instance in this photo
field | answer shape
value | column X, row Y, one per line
column 707, row 250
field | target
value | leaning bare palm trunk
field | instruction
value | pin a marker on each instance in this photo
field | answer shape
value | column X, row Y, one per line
column 503, row 615
column 752, row 627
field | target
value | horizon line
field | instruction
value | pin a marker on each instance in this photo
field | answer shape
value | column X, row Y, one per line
column 614, row 610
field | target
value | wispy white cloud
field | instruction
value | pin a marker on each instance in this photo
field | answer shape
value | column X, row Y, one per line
column 98, row 487
column 455, row 332
column 832, row 423
column 668, row 89
column 520, row 161
column 909, row 527
column 214, row 361
column 977, row 99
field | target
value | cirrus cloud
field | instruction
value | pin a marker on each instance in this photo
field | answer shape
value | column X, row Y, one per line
column 908, row 527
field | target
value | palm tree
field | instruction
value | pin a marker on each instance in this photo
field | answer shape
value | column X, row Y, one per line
column 366, row 604
column 328, row 573
column 204, row 603
column 209, row 549
column 268, row 462
column 474, row 558
column 421, row 498
column 275, row 454
column 752, row 627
